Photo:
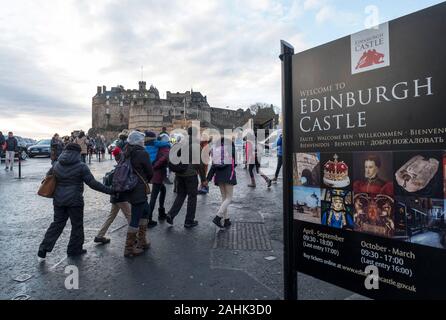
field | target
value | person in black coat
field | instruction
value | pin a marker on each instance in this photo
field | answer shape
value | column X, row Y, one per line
column 56, row 148
column 2, row 143
column 223, row 172
column 140, row 161
column 68, row 200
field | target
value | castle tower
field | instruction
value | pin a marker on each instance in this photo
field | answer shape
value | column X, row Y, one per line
column 142, row 86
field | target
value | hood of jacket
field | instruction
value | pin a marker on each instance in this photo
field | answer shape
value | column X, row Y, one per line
column 68, row 164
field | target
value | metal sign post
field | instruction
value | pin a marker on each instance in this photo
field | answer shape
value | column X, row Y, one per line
column 290, row 274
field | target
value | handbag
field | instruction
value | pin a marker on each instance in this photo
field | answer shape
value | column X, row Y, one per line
column 148, row 191
column 47, row 187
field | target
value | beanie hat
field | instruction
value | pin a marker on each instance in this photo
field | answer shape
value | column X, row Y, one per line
column 116, row 150
column 164, row 137
column 73, row 147
column 136, row 139
column 124, row 134
column 149, row 135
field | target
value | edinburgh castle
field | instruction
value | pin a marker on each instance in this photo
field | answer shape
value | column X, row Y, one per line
column 143, row 109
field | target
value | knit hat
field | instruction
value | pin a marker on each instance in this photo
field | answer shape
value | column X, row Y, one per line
column 164, row 137
column 149, row 135
column 136, row 139
column 124, row 133
column 116, row 151
column 73, row 147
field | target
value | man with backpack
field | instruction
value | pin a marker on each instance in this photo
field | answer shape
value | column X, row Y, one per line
column 187, row 182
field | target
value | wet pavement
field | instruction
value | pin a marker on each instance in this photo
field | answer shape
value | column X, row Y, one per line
column 245, row 262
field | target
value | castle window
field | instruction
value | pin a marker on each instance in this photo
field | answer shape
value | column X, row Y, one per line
column 107, row 103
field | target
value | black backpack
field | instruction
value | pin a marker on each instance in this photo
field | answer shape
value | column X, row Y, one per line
column 124, row 178
column 177, row 167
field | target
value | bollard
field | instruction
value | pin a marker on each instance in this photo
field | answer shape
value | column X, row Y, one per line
column 20, row 167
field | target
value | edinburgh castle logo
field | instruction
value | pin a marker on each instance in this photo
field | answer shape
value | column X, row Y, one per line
column 370, row 49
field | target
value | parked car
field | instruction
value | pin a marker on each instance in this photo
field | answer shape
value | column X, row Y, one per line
column 29, row 142
column 41, row 148
column 21, row 150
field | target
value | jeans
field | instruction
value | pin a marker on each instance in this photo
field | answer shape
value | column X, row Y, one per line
column 61, row 215
column 139, row 211
column 226, row 191
column 186, row 187
column 251, row 168
column 83, row 158
column 279, row 165
column 9, row 160
column 157, row 189
column 124, row 207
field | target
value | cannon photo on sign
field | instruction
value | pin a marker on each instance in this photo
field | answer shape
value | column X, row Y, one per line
column 307, row 204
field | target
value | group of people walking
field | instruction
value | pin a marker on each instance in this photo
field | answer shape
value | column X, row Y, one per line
column 86, row 143
column 147, row 154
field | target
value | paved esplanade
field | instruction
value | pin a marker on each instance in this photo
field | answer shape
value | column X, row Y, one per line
column 200, row 263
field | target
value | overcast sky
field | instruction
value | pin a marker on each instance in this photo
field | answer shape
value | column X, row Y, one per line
column 53, row 54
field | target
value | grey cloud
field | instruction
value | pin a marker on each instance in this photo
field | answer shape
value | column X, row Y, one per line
column 25, row 88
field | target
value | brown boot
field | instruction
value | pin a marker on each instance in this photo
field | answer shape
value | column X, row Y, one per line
column 130, row 249
column 142, row 239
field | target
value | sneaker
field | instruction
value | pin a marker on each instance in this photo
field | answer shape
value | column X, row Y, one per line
column 251, row 185
column 190, row 224
column 102, row 240
column 151, row 224
column 203, row 190
column 169, row 219
column 217, row 221
column 227, row 223
column 41, row 253
column 77, row 253
column 268, row 183
column 274, row 180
